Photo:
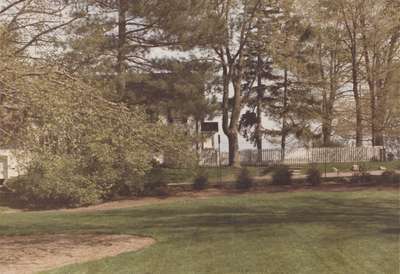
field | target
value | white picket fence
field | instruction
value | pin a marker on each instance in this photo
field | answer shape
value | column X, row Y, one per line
column 297, row 156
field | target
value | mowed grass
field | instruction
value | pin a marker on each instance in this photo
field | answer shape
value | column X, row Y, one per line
column 302, row 232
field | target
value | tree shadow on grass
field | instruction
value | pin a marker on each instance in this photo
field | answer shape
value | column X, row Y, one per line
column 358, row 215
column 391, row 231
column 181, row 220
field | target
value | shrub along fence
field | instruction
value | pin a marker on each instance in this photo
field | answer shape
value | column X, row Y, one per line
column 300, row 156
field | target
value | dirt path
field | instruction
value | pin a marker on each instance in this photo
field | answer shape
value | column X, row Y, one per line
column 31, row 254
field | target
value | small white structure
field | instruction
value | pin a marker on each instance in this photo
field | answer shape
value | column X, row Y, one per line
column 9, row 164
column 208, row 143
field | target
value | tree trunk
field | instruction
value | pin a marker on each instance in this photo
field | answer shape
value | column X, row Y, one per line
column 283, row 146
column 259, row 133
column 359, row 127
column 379, row 139
column 234, row 156
column 197, row 129
column 329, row 99
column 381, row 104
column 326, row 121
column 327, row 132
column 225, row 99
column 259, row 118
column 357, row 96
column 284, row 122
column 370, row 69
column 121, row 54
column 373, row 114
column 352, row 26
column 234, row 159
column 230, row 128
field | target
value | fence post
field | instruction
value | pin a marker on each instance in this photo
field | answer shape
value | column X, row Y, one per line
column 382, row 154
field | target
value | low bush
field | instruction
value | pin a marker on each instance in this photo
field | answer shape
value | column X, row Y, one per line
column 201, row 180
column 362, row 177
column 244, row 180
column 156, row 188
column 365, row 175
column 170, row 175
column 396, row 178
column 313, row 176
column 55, row 183
column 268, row 169
column 390, row 177
column 282, row 175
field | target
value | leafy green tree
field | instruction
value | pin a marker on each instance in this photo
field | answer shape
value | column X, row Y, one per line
column 327, row 64
column 348, row 14
column 258, row 70
column 115, row 37
column 67, row 124
column 178, row 90
column 236, row 20
column 290, row 101
column 112, row 38
column 380, row 32
column 365, row 36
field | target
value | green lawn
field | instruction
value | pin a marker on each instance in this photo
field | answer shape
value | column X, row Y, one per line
column 302, row 232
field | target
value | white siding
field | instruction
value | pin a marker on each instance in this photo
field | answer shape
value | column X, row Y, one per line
column 11, row 167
